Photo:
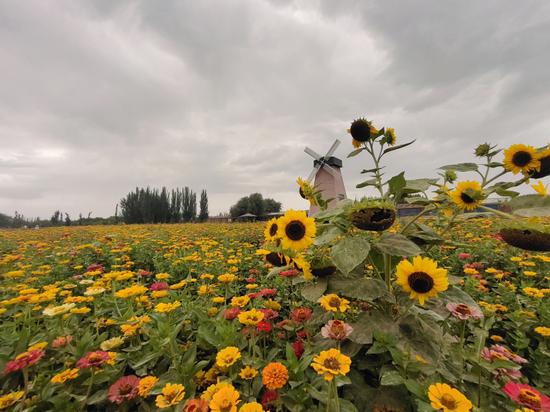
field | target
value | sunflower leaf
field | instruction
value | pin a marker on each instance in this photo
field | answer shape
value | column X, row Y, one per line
column 370, row 182
column 350, row 253
column 399, row 146
column 461, row 167
column 397, row 245
column 356, row 152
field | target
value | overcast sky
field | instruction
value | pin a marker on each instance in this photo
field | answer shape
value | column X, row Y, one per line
column 98, row 97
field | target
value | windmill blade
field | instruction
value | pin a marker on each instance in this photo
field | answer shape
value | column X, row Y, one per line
column 330, row 169
column 332, row 148
column 312, row 153
column 313, row 173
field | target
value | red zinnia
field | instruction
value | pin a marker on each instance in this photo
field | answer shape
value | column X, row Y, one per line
column 24, row 360
column 264, row 326
column 301, row 315
column 124, row 389
column 269, row 397
column 298, row 347
column 527, row 396
column 231, row 313
column 93, row 360
column 159, row 286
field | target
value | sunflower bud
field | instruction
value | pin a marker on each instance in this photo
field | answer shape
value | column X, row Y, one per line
column 450, row 176
column 483, row 150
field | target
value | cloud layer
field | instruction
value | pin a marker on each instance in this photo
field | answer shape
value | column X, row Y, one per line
column 98, row 97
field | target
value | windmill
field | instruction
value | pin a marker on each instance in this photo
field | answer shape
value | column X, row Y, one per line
column 328, row 177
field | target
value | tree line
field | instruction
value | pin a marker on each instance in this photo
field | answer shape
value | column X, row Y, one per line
column 163, row 206
column 255, row 204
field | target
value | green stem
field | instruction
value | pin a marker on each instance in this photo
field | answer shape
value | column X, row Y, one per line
column 25, row 382
column 329, row 395
column 336, row 397
column 89, row 391
column 462, row 333
column 414, row 219
column 498, row 212
column 387, row 271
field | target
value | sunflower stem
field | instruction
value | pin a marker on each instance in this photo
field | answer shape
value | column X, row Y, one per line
column 387, row 271
column 498, row 212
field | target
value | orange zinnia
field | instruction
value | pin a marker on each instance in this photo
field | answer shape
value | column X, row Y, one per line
column 274, row 375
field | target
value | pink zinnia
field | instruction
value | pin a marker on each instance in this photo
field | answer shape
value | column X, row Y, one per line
column 24, row 360
column 93, row 360
column 301, row 315
column 124, row 389
column 62, row 341
column 159, row 286
column 464, row 256
column 95, row 267
column 231, row 313
column 464, row 312
column 336, row 329
column 269, row 314
column 527, row 396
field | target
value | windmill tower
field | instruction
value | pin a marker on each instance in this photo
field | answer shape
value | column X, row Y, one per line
column 328, row 177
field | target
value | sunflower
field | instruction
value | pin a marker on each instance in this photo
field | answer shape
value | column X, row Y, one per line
column 544, row 157
column 296, row 230
column 390, row 136
column 540, row 188
column 307, row 191
column 331, row 363
column 467, row 195
column 362, row 130
column 304, row 266
column 422, row 279
column 521, row 158
column 447, row 399
column 270, row 231
column 334, row 303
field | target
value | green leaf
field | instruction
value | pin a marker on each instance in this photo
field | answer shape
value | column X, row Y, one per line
column 358, row 288
column 371, row 170
column 391, row 377
column 97, row 397
column 349, row 253
column 396, row 185
column 370, row 182
column 396, row 244
column 399, row 146
column 356, row 152
column 419, row 185
column 313, row 291
column 461, row 167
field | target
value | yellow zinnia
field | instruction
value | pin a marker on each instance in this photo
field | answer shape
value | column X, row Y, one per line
column 225, row 400
column 251, row 317
column 447, row 399
column 227, row 357
column 296, row 230
column 172, row 394
column 331, row 363
column 422, row 278
column 251, row 407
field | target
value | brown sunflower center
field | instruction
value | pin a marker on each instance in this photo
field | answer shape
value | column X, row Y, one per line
column 466, row 198
column 521, row 158
column 463, row 309
column 420, row 282
column 334, row 302
column 295, row 230
column 529, row 398
column 331, row 363
column 273, row 229
column 448, row 401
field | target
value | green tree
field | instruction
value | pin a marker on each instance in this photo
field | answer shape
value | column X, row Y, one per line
column 203, row 214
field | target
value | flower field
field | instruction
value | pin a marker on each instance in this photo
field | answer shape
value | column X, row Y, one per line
column 164, row 305
column 354, row 309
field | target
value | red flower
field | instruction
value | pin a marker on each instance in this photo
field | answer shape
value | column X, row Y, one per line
column 289, row 273
column 124, row 389
column 93, row 360
column 268, row 292
column 143, row 273
column 269, row 314
column 94, row 267
column 301, row 315
column 302, row 335
column 231, row 313
column 264, row 326
column 527, row 396
column 159, row 286
column 250, row 280
column 298, row 347
column 62, row 341
column 269, row 396
column 24, row 360
column 464, row 256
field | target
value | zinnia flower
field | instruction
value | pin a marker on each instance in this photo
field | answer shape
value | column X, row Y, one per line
column 300, row 315
column 146, row 384
column 525, row 395
column 124, row 389
column 274, row 375
column 251, row 407
column 336, row 329
column 227, row 357
column 24, row 360
column 172, row 394
column 331, row 363
column 464, row 312
column 447, row 399
column 93, row 360
column 225, row 400
column 196, row 405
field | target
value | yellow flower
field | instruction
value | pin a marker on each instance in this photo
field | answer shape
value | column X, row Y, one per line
column 167, row 307
column 334, row 303
column 209, row 393
column 272, row 304
column 227, row 278
column 218, row 299
column 227, row 357
column 131, row 291
column 58, row 310
column 80, row 311
column 422, row 278
column 251, row 317
column 251, row 407
column 248, row 372
column 225, row 400
column 157, row 294
column 112, row 343
column 172, row 394
column 521, row 158
column 274, row 375
column 390, row 136
column 39, row 345
column 447, row 399
column 467, row 195
column 307, row 191
column 65, row 376
column 529, row 273
column 302, row 264
column 10, row 398
column 240, row 301
column 146, row 384
column 270, row 231
column 542, row 330
column 296, row 230
column 331, row 363
column 540, row 188
column 94, row 290
column 162, row 276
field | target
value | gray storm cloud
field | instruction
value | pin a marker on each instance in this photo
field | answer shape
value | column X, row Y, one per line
column 97, row 97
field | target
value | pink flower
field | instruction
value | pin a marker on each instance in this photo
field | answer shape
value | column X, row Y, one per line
column 527, row 396
column 300, row 315
column 62, row 341
column 144, row 273
column 269, row 314
column 289, row 273
column 464, row 256
column 24, row 360
column 464, row 312
column 124, row 389
column 250, row 280
column 336, row 329
column 231, row 313
column 159, row 286
column 93, row 360
column 508, row 354
column 95, row 267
